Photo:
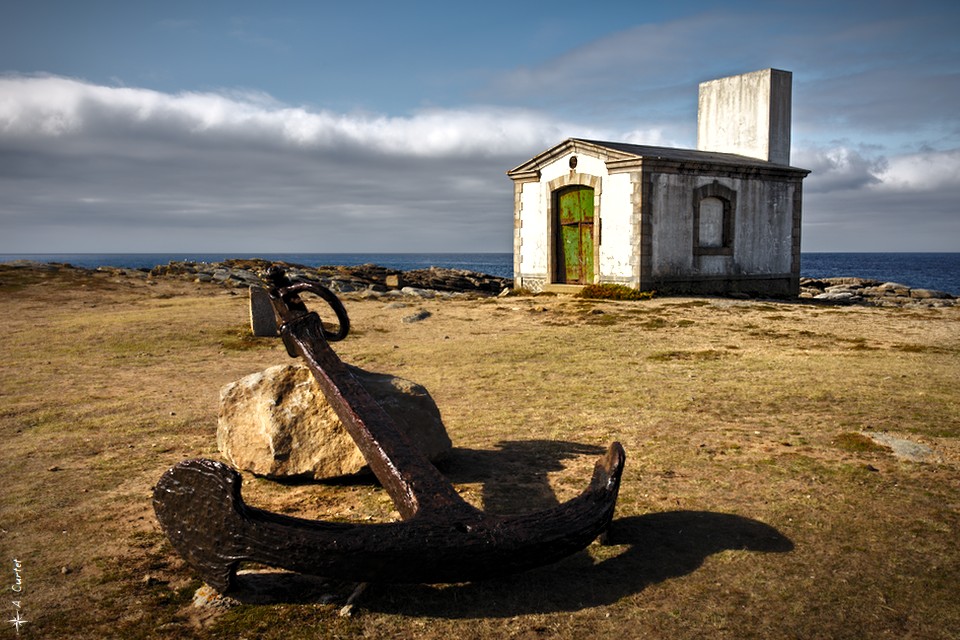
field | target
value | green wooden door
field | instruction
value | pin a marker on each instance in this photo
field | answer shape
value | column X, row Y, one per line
column 574, row 240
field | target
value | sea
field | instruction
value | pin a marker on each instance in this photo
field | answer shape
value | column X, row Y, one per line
column 939, row 271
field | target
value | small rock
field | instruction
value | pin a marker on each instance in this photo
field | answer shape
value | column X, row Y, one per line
column 836, row 296
column 208, row 597
column 415, row 291
column 894, row 289
column 842, row 288
column 902, row 448
column 929, row 293
column 393, row 280
column 423, row 314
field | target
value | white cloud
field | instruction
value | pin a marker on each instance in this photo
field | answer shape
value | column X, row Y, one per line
column 85, row 167
column 55, row 106
column 837, row 168
column 843, row 167
column 923, row 171
column 870, row 202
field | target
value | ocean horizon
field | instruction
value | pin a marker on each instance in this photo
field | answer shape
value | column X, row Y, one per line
column 935, row 270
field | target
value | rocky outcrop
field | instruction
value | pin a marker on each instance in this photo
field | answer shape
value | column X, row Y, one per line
column 277, row 423
column 366, row 280
column 871, row 292
column 440, row 279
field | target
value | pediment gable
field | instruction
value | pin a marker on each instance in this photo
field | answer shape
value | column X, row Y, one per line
column 570, row 145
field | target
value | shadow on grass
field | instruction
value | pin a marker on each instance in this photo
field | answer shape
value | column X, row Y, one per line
column 514, row 475
column 639, row 550
column 654, row 548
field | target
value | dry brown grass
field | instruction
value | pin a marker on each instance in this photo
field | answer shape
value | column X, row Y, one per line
column 751, row 504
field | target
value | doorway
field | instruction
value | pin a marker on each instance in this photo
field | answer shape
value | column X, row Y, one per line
column 574, row 235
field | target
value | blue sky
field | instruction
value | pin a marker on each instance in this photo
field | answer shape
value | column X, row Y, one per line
column 250, row 127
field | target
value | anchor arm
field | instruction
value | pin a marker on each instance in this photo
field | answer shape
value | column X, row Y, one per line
column 421, row 550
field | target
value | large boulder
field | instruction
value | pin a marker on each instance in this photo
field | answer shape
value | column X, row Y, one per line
column 277, row 423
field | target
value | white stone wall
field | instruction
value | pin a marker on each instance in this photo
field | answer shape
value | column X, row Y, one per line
column 533, row 231
column 616, row 234
column 585, row 164
column 535, row 242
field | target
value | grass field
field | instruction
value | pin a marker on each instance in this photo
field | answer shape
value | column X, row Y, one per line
column 753, row 505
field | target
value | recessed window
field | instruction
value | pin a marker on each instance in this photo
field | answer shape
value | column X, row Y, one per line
column 714, row 208
column 711, row 222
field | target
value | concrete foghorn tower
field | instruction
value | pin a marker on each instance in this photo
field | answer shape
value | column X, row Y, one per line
column 747, row 114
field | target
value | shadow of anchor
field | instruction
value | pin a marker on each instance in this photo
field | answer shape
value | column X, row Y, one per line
column 656, row 547
column 649, row 549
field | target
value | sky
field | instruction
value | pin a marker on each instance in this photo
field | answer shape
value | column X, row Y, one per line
column 312, row 126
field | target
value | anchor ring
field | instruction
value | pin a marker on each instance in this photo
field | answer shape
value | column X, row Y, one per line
column 289, row 295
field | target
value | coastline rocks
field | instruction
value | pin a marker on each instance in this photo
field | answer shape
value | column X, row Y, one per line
column 871, row 292
column 375, row 282
column 368, row 280
column 440, row 279
column 277, row 423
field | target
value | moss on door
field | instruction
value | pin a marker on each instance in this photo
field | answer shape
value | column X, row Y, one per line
column 574, row 235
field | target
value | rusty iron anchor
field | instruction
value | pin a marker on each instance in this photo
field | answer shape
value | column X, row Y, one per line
column 440, row 539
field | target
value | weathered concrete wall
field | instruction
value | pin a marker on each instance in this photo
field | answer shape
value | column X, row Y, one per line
column 762, row 243
column 747, row 114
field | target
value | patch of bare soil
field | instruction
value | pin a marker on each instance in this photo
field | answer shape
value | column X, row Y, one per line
column 756, row 501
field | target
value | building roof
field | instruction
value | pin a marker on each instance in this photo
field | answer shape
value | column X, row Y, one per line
column 622, row 153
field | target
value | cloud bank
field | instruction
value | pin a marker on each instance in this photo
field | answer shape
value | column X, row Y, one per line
column 85, row 162
column 87, row 167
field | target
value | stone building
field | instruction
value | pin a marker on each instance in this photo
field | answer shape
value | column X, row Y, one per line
column 723, row 218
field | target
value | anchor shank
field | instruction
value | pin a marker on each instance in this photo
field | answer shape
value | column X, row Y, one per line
column 411, row 480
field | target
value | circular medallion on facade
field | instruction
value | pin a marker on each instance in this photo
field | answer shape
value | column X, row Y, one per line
column 573, row 162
